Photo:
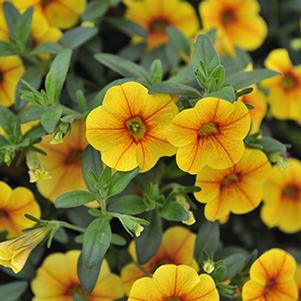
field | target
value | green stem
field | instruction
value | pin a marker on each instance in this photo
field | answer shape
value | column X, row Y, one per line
column 71, row 227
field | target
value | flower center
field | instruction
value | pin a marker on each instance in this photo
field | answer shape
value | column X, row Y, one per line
column 208, row 129
column 1, row 76
column 45, row 2
column 136, row 128
column 158, row 25
column 75, row 156
column 228, row 16
column 269, row 286
column 3, row 213
column 289, row 81
column 291, row 192
column 174, row 298
column 230, row 179
column 77, row 289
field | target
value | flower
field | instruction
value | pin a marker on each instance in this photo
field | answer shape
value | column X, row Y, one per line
column 238, row 23
column 63, row 163
column 282, row 198
column 177, row 247
column 11, row 70
column 174, row 282
column 14, row 204
column 211, row 134
column 59, row 13
column 298, row 280
column 129, row 128
column 155, row 16
column 57, row 279
column 258, row 101
column 15, row 252
column 285, row 89
column 238, row 189
column 272, row 278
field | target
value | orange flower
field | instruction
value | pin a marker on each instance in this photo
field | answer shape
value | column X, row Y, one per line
column 238, row 189
column 57, row 280
column 285, row 89
column 129, row 127
column 11, row 70
column 272, row 278
column 177, row 247
column 210, row 134
column 59, row 13
column 172, row 282
column 63, row 162
column 238, row 23
column 282, row 198
column 155, row 15
column 258, row 101
column 14, row 204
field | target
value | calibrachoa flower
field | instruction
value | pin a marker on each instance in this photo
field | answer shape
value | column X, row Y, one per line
column 63, row 163
column 155, row 15
column 238, row 23
column 272, row 278
column 210, row 134
column 57, row 280
column 258, row 101
column 177, row 247
column 14, row 204
column 285, row 89
column 129, row 128
column 15, row 252
column 59, row 13
column 238, row 189
column 11, row 70
column 174, row 282
column 282, row 198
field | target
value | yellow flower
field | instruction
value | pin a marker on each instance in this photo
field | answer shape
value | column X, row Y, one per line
column 272, row 278
column 63, row 163
column 14, row 204
column 238, row 189
column 177, row 247
column 282, row 198
column 57, row 280
column 258, row 101
column 298, row 280
column 174, row 282
column 15, row 252
column 210, row 134
column 285, row 89
column 59, row 13
column 11, row 70
column 155, row 15
column 129, row 128
column 238, row 23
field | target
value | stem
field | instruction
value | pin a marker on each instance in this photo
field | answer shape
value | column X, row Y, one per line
column 71, row 227
column 103, row 204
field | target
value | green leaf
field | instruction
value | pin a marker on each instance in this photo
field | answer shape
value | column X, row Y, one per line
column 173, row 211
column 91, row 163
column 95, row 10
column 184, row 75
column 120, row 180
column 74, row 199
column 208, row 238
column 56, row 76
column 6, row 49
column 118, row 240
column 175, row 89
column 30, row 113
column 149, row 241
column 96, row 241
column 12, row 291
column 247, row 78
column 156, row 72
column 11, row 15
column 23, row 26
column 127, row 204
column 9, row 122
column 48, row 47
column 227, row 92
column 122, row 66
column 78, row 297
column 271, row 145
column 76, row 37
column 178, row 39
column 234, row 264
column 50, row 118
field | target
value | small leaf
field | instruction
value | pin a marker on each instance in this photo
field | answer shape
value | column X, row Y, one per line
column 6, row 49
column 11, row 15
column 128, row 204
column 173, row 211
column 23, row 26
column 96, row 241
column 9, row 122
column 118, row 240
column 271, row 145
column 30, row 113
column 234, row 264
column 150, row 239
column 74, row 199
column 227, row 92
column 156, row 72
column 95, row 10
column 48, row 47
column 50, row 118
column 12, row 291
